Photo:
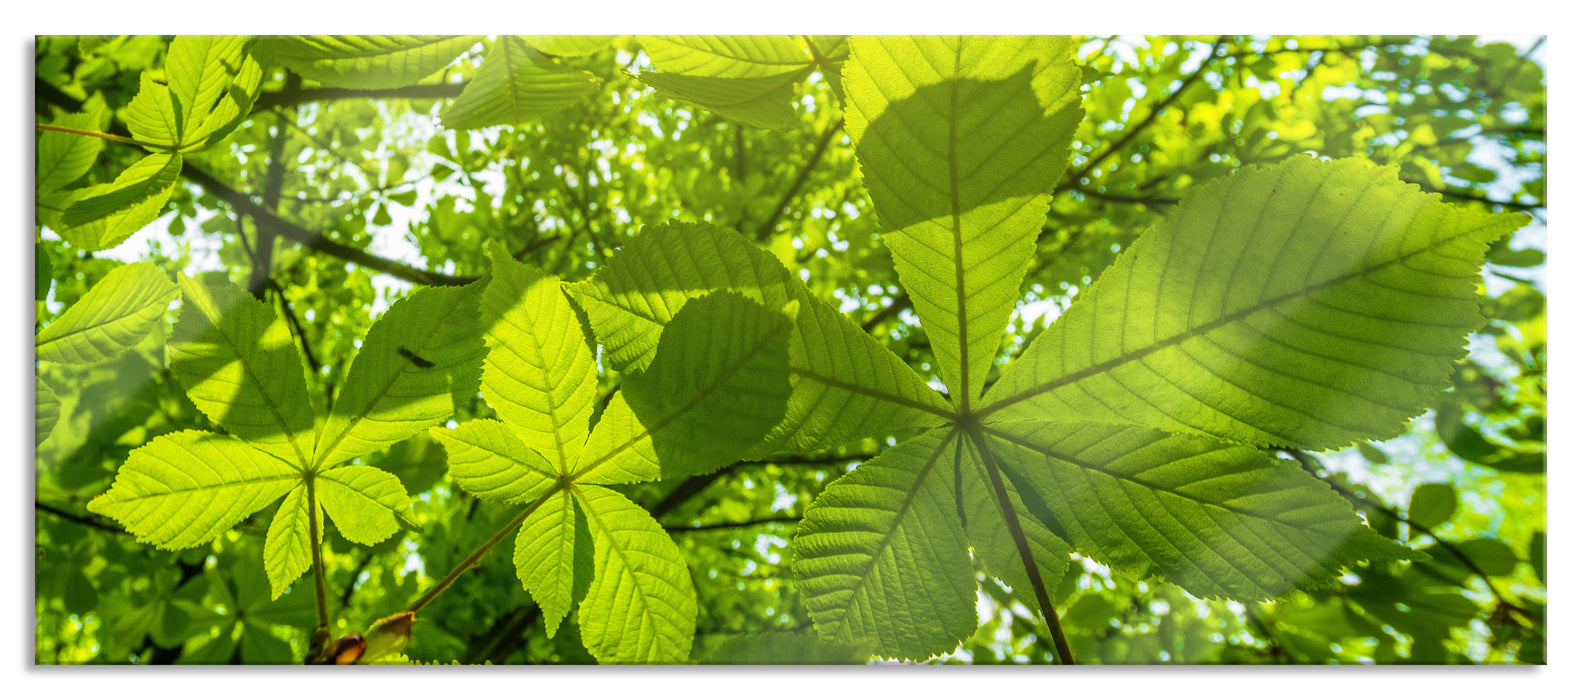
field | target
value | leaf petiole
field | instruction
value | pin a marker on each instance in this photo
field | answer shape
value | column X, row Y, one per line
column 478, row 555
column 1003, row 499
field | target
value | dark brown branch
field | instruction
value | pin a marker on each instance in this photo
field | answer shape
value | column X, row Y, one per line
column 897, row 304
column 274, row 179
column 1153, row 113
column 312, row 240
column 83, row 520
column 768, row 226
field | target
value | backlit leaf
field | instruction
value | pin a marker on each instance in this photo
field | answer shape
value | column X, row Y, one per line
column 368, row 62
column 1309, row 304
column 419, row 359
column 961, row 141
column 640, row 607
column 514, row 85
column 240, row 367
column 844, row 384
column 117, row 313
column 539, row 374
column 882, row 554
column 186, row 488
column 718, row 382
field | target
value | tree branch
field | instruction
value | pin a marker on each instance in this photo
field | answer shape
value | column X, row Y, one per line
column 315, row 241
column 1153, row 113
column 768, row 226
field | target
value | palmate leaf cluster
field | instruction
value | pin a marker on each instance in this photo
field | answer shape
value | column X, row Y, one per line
column 239, row 366
column 1157, row 440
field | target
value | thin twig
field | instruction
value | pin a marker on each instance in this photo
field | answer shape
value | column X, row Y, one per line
column 768, row 226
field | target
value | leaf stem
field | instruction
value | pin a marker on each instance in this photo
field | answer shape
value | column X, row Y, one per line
column 318, row 554
column 473, row 559
column 1003, row 498
column 99, row 135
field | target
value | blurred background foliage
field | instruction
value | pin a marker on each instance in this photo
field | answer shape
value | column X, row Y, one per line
column 1461, row 116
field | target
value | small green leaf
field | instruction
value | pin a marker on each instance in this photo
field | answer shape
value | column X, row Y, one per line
column 43, row 271
column 748, row 79
column 539, row 374
column 185, row 488
column 117, row 313
column 489, row 462
column 62, row 159
column 550, row 548
column 102, row 216
column 363, row 502
column 515, row 85
column 1493, row 557
column 288, row 546
column 1431, row 505
column 844, row 384
column 46, row 411
column 368, row 62
column 640, row 607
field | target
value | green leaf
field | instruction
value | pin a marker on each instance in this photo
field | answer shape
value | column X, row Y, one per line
column 368, row 62
column 1493, row 557
column 62, row 159
column 539, row 374
column 185, row 488
column 882, row 556
column 489, row 462
column 363, row 502
column 1216, row 518
column 113, row 316
column 718, row 383
column 1309, row 304
column 514, row 85
column 155, row 116
column 288, row 546
column 102, row 216
column 1431, row 505
column 46, row 411
column 747, row 79
column 640, row 607
column 570, row 45
column 553, row 544
column 213, row 82
column 240, row 367
column 844, row 384
column 418, row 361
column 961, row 141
